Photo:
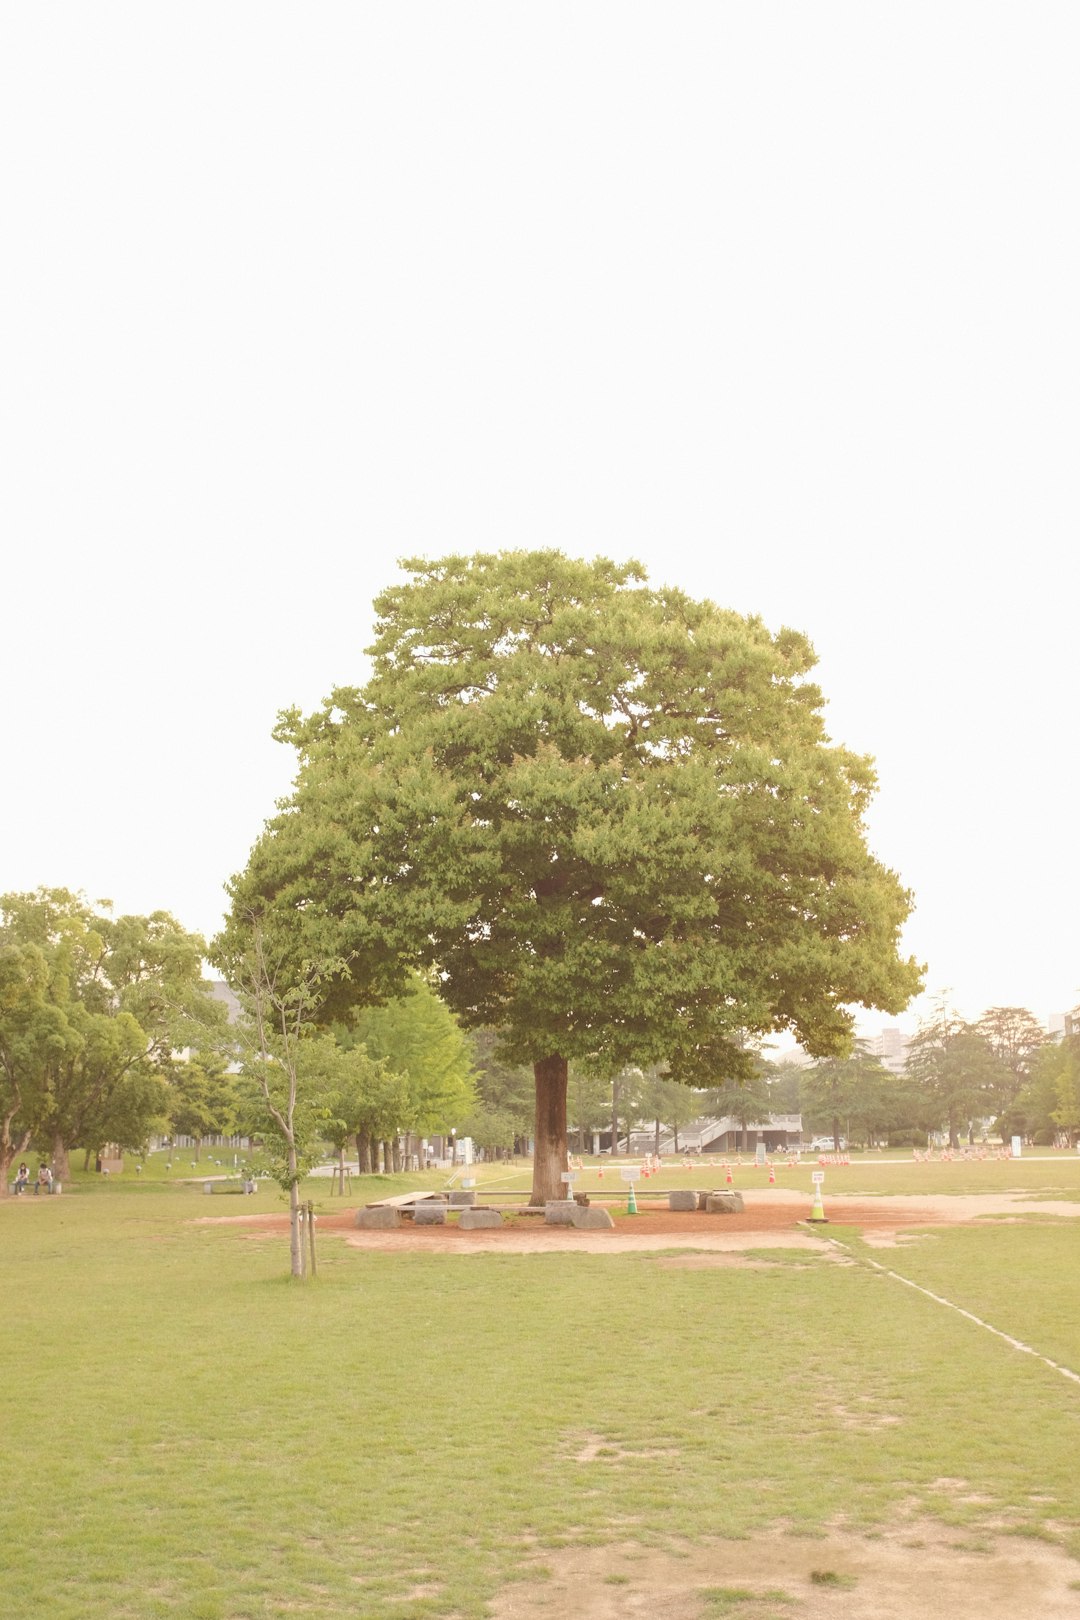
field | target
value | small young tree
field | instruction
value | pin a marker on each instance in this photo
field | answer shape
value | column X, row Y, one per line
column 277, row 1038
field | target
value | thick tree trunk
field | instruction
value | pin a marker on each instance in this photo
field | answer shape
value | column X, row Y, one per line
column 11, row 1146
column 363, row 1152
column 61, row 1164
column 549, row 1150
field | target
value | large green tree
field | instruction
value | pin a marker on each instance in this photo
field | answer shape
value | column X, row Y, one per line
column 1016, row 1037
column 89, row 1037
column 1062, row 1063
column 33, row 1035
column 607, row 814
column 958, row 1073
column 841, row 1093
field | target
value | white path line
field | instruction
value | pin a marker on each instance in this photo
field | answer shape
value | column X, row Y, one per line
column 939, row 1299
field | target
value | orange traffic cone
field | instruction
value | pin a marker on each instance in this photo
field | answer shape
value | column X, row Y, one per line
column 729, row 1175
column 772, row 1176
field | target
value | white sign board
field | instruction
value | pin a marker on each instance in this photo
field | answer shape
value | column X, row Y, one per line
column 1017, row 1146
column 630, row 1175
column 817, row 1177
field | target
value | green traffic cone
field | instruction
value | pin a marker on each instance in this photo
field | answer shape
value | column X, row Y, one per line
column 818, row 1211
column 631, row 1202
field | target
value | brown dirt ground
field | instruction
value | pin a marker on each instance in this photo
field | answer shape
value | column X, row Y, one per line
column 770, row 1220
column 913, row 1568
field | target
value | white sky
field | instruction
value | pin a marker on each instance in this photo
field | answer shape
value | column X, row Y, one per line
column 781, row 299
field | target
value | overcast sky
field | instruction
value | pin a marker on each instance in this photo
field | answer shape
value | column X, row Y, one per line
column 780, row 299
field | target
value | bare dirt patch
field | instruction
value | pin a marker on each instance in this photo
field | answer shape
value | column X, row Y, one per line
column 916, row 1568
column 770, row 1220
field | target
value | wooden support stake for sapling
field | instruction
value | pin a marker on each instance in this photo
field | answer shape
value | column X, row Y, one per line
column 311, row 1235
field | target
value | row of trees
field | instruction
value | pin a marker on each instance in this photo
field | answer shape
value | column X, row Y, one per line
column 109, row 1030
column 1001, row 1070
column 92, row 1009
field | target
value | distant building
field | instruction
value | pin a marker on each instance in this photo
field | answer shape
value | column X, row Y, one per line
column 891, row 1046
column 221, row 992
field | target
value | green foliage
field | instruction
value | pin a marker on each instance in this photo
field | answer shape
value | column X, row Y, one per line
column 606, row 814
column 417, row 1037
column 505, row 1090
column 957, row 1071
column 491, row 1130
column 588, row 1102
column 1034, row 1109
column 92, row 1008
column 203, row 1096
column 848, row 1096
column 366, row 1097
column 609, row 814
column 1016, row 1038
column 1062, row 1063
column 748, row 1103
column 783, row 1077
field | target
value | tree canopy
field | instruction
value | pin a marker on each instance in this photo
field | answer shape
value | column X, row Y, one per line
column 608, row 815
column 91, row 1008
column 958, row 1072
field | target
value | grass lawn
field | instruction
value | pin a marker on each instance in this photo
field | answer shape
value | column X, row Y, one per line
column 186, row 1432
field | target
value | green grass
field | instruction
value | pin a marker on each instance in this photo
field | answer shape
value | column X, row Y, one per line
column 186, row 1432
